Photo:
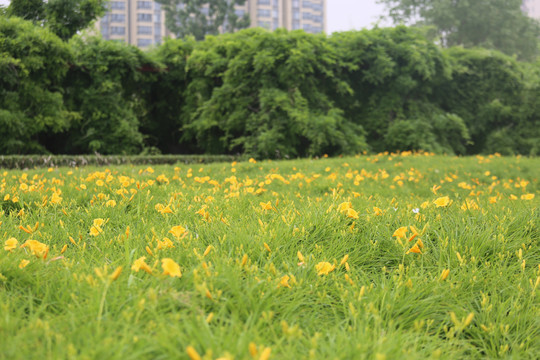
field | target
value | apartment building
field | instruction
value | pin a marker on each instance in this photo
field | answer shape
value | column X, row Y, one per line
column 309, row 15
column 142, row 23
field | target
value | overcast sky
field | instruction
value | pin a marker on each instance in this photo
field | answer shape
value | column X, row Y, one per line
column 352, row 14
column 344, row 14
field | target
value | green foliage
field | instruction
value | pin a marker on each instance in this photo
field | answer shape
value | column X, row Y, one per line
column 263, row 94
column 33, row 62
column 163, row 95
column 199, row 18
column 250, row 260
column 393, row 73
column 496, row 97
column 267, row 94
column 102, row 87
column 63, row 17
column 494, row 24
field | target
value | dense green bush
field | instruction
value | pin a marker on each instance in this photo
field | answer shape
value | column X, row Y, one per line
column 102, row 86
column 164, row 98
column 496, row 96
column 33, row 63
column 263, row 94
column 267, row 94
column 393, row 73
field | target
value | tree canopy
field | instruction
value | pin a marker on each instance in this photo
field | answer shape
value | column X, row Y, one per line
column 199, row 18
column 63, row 17
column 492, row 24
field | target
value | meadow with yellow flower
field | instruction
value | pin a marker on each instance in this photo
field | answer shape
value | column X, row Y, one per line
column 376, row 256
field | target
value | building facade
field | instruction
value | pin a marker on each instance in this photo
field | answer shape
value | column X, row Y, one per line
column 142, row 23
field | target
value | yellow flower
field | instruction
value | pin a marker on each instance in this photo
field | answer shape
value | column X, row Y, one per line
column 300, row 257
column 417, row 248
column 324, row 268
column 177, row 231
column 166, row 243
column 10, row 244
column 96, row 229
column 344, row 260
column 164, row 209
column 170, row 268
column 98, row 222
column 110, row 203
column 284, row 282
column 55, row 198
column 442, row 201
column 266, row 206
column 23, row 263
column 192, row 353
column 38, row 249
column 351, row 213
column 265, row 354
column 377, row 211
column 344, row 206
column 527, row 196
column 140, row 264
column 116, row 273
column 401, row 232
column 445, row 274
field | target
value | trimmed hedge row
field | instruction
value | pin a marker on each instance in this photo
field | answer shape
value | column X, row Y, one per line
column 35, row 161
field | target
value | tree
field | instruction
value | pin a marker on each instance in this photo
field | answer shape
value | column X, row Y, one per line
column 493, row 24
column 63, row 17
column 33, row 63
column 199, row 18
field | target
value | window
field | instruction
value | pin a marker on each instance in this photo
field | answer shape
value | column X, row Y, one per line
column 263, row 2
column 157, row 17
column 144, row 4
column 296, row 25
column 144, row 42
column 240, row 13
column 144, row 17
column 157, row 30
column 296, row 15
column 263, row 13
column 144, row 30
column 118, row 5
column 296, row 4
column 157, row 6
column 275, row 24
column 118, row 30
column 118, row 18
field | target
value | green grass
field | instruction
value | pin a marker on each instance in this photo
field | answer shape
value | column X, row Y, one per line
column 382, row 303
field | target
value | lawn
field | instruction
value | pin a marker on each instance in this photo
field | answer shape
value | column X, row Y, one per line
column 409, row 256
